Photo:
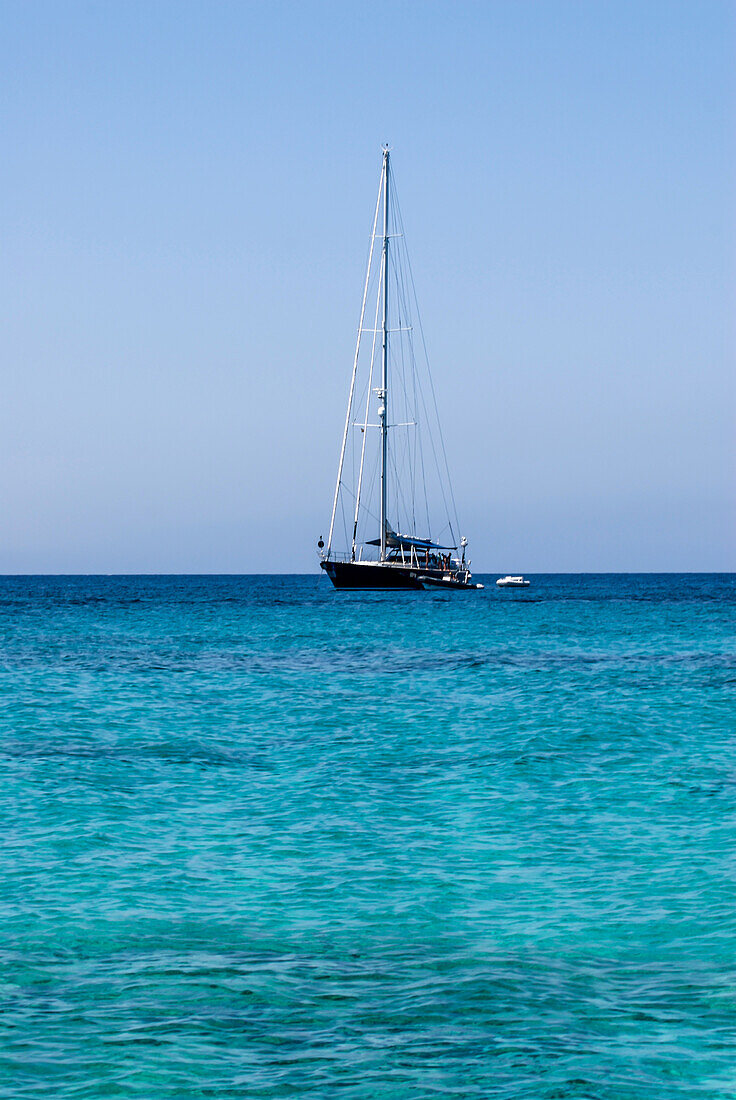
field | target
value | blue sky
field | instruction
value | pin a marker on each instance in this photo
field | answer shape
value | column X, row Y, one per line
column 187, row 191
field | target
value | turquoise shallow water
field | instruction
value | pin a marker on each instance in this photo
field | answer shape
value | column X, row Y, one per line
column 262, row 839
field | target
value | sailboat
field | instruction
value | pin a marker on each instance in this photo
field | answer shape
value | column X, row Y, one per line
column 392, row 457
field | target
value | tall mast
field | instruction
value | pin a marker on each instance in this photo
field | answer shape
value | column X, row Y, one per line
column 352, row 380
column 383, row 393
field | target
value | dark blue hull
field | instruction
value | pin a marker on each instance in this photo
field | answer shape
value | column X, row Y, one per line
column 349, row 574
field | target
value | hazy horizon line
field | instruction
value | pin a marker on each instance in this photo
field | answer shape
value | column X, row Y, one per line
column 491, row 573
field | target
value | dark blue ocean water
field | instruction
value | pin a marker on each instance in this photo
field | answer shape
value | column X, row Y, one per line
column 263, row 839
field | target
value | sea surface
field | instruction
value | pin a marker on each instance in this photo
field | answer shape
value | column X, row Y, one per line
column 265, row 839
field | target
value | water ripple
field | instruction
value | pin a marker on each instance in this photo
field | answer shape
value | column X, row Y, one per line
column 267, row 840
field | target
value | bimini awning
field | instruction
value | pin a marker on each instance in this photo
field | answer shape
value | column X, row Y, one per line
column 395, row 541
